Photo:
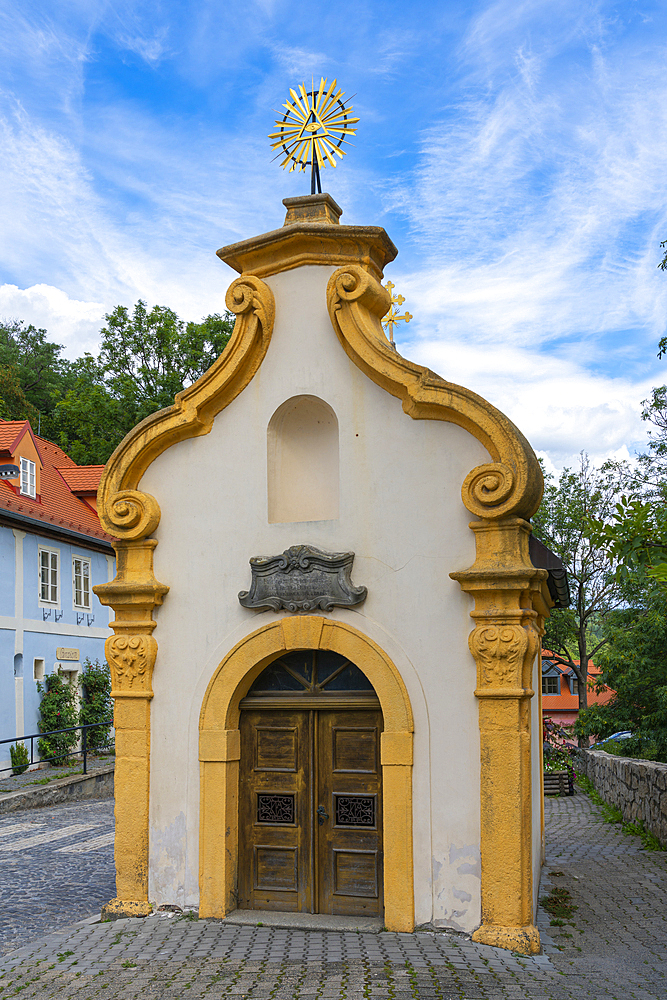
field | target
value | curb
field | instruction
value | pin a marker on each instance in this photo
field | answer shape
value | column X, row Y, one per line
column 98, row 785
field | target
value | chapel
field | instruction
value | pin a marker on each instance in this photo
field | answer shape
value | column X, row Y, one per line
column 325, row 657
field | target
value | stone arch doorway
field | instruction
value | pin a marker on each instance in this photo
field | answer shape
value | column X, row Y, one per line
column 220, row 757
column 310, row 788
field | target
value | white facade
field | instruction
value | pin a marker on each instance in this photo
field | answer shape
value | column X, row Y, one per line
column 399, row 510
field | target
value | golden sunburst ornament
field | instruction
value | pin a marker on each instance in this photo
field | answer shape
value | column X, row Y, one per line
column 313, row 129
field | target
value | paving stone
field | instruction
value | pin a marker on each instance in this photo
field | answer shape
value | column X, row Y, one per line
column 622, row 944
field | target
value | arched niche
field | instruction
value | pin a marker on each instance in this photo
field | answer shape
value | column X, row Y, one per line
column 302, row 461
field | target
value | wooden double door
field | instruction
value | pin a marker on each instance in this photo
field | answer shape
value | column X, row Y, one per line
column 310, row 805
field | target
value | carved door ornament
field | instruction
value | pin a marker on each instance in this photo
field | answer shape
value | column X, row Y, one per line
column 303, row 578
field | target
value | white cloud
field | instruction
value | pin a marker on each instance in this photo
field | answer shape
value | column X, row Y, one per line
column 70, row 322
column 560, row 406
column 540, row 198
column 151, row 49
column 62, row 228
column 534, row 208
column 299, row 63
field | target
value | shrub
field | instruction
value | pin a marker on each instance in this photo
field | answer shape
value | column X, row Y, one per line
column 96, row 702
column 558, row 760
column 57, row 710
column 645, row 745
column 20, row 759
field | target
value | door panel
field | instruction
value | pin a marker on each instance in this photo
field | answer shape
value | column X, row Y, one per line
column 350, row 837
column 276, row 749
column 276, row 868
column 275, row 810
column 310, row 811
column 355, row 873
column 354, row 750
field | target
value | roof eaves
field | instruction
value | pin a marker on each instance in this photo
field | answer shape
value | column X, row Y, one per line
column 557, row 582
column 37, row 526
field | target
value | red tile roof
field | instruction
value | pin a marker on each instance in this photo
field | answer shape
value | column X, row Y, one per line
column 61, row 479
column 11, row 431
column 82, row 478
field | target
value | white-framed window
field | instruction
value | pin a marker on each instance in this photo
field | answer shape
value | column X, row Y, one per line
column 28, row 479
column 38, row 668
column 81, row 582
column 549, row 685
column 49, row 584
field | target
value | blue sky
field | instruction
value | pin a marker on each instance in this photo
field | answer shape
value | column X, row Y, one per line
column 514, row 151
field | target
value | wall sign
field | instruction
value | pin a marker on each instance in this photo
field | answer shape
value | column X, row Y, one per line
column 303, row 578
column 62, row 653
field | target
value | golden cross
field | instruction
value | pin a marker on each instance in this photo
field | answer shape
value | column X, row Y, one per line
column 390, row 319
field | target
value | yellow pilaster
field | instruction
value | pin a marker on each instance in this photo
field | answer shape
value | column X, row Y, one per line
column 131, row 654
column 504, row 643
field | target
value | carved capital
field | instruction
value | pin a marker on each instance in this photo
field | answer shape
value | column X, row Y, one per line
column 503, row 582
column 133, row 594
column 499, row 651
column 131, row 658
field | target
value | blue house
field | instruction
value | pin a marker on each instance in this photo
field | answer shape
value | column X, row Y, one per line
column 52, row 552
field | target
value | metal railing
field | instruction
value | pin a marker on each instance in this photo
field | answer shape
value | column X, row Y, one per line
column 82, row 750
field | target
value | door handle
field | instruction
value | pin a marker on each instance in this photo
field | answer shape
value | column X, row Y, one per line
column 322, row 815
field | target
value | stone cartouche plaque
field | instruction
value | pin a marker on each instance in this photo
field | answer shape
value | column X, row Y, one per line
column 64, row 653
column 302, row 578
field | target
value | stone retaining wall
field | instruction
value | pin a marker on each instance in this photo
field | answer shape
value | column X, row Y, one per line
column 96, row 785
column 637, row 787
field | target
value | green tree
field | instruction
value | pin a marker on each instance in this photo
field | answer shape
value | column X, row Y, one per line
column 663, row 263
column 14, row 404
column 91, row 420
column 635, row 537
column 146, row 357
column 32, row 375
column 634, row 666
column 575, row 635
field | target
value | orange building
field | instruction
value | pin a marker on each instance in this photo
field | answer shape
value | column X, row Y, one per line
column 560, row 691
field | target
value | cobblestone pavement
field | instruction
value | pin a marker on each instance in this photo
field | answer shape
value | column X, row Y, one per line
column 616, row 948
column 56, row 866
column 618, row 935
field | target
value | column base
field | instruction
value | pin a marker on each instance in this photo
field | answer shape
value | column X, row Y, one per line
column 115, row 909
column 525, row 940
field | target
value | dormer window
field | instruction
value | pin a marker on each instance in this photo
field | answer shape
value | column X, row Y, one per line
column 27, row 478
column 550, row 685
